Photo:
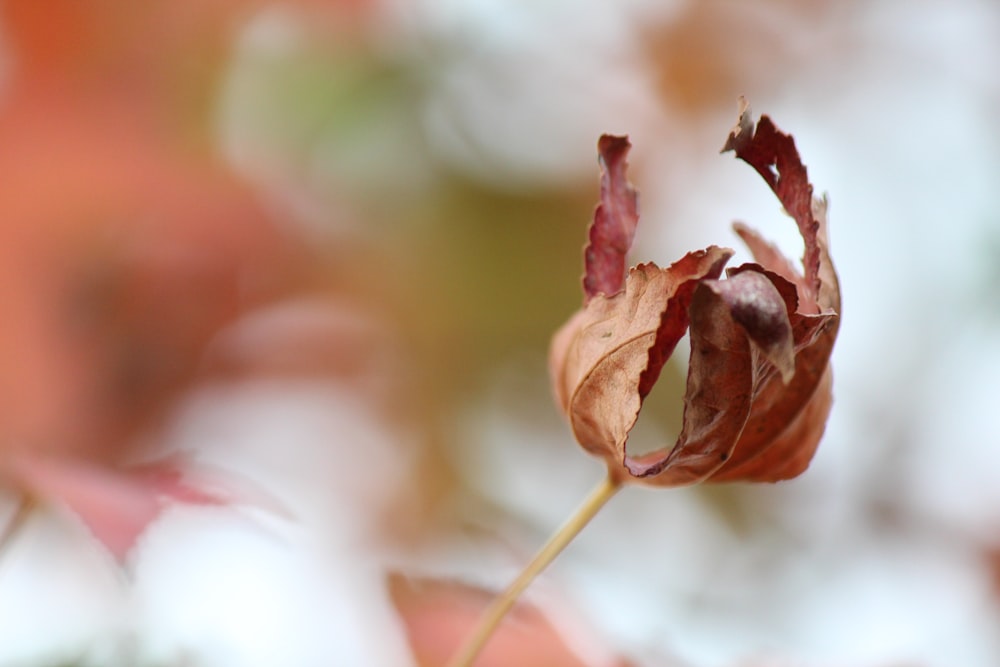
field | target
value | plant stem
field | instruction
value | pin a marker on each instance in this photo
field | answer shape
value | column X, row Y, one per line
column 502, row 603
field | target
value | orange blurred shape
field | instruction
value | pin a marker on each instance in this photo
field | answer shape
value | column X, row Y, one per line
column 710, row 52
column 119, row 260
column 88, row 39
column 125, row 244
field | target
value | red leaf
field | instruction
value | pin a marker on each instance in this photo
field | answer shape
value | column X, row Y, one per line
column 615, row 220
column 758, row 387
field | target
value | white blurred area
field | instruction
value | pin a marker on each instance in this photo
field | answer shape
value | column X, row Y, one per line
column 294, row 577
column 874, row 558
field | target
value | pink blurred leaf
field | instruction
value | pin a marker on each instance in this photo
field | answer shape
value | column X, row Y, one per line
column 116, row 505
column 438, row 614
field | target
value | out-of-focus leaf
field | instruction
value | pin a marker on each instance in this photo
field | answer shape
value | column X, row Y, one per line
column 438, row 615
column 126, row 248
column 115, row 505
column 118, row 504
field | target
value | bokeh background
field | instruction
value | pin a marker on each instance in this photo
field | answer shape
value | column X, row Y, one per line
column 277, row 281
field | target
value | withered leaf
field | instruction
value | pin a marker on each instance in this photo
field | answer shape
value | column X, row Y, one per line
column 758, row 387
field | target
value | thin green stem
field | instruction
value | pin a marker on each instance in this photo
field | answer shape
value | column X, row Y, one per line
column 495, row 613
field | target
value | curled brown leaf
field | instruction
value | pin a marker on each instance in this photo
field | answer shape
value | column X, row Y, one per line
column 759, row 387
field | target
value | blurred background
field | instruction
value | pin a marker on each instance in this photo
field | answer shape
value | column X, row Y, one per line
column 277, row 281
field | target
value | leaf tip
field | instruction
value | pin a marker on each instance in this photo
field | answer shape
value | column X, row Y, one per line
column 743, row 129
column 611, row 147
